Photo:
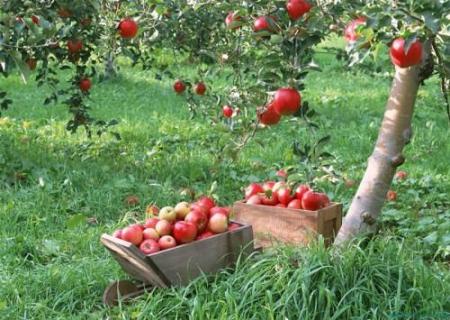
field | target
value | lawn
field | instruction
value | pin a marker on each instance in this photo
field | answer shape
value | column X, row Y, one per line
column 59, row 192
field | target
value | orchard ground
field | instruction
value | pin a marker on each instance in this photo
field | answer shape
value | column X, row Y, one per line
column 60, row 192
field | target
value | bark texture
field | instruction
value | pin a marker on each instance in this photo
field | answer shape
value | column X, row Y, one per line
column 394, row 134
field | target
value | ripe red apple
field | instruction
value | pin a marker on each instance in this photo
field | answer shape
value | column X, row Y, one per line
column 167, row 213
column 301, row 190
column 35, row 19
column 137, row 225
column 406, row 58
column 269, row 116
column 85, row 84
column 182, row 209
column 225, row 211
column 32, row 63
column 284, row 195
column 312, row 201
column 128, row 28
column 282, row 173
column 198, row 218
column 268, row 185
column 207, row 202
column 263, row 24
column 133, row 234
column 151, row 223
column 253, row 188
column 167, row 242
column 74, row 46
column 232, row 21
column 149, row 246
column 179, row 86
column 350, row 34
column 295, row 204
column 163, row 227
column 150, row 233
column 200, row 88
column 233, row 226
column 269, row 198
column 117, row 234
column 132, row 201
column 325, row 200
column 391, row 195
column 204, row 235
column 227, row 111
column 199, row 207
column 254, row 199
column 297, row 8
column 287, row 101
column 218, row 223
column 184, row 231
column 401, row 175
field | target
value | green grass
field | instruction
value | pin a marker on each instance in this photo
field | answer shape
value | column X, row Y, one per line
column 53, row 267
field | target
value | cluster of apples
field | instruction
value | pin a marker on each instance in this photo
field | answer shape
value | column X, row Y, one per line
column 172, row 226
column 180, row 86
column 279, row 194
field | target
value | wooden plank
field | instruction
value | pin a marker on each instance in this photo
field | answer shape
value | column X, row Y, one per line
column 134, row 261
column 274, row 225
column 184, row 263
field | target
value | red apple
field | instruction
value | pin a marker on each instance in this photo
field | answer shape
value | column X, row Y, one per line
column 128, row 28
column 167, row 242
column 204, row 235
column 284, row 195
column 149, row 246
column 184, row 231
column 301, row 190
column 198, row 218
column 263, row 24
column 74, row 46
column 137, row 225
column 214, row 210
column 297, row 8
column 163, row 227
column 350, row 33
column 254, row 199
column 232, row 21
column 269, row 116
column 218, row 223
column 150, row 233
column 295, row 204
column 151, row 222
column 312, row 201
column 32, row 63
column 167, row 213
column 117, row 234
column 282, row 173
column 179, row 86
column 281, row 205
column 269, row 198
column 133, row 234
column 406, row 58
column 268, row 185
column 391, row 195
column 151, row 210
column 200, row 88
column 227, row 111
column 252, row 189
column 233, row 226
column 325, row 200
column 85, row 84
column 207, row 202
column 401, row 175
column 287, row 101
column 35, row 19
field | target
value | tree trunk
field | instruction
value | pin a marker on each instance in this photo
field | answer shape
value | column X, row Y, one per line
column 394, row 134
column 110, row 68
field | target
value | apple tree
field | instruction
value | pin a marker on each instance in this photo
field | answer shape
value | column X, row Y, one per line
column 417, row 34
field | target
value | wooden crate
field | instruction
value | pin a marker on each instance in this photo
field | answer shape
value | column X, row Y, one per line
column 181, row 264
column 275, row 225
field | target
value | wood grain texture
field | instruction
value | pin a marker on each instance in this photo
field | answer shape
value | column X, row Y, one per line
column 274, row 225
column 180, row 265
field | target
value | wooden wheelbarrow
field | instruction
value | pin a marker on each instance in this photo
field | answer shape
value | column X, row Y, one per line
column 174, row 267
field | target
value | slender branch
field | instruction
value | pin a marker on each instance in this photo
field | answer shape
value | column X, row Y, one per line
column 444, row 88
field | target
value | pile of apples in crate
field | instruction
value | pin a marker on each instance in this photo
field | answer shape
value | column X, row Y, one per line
column 280, row 194
column 172, row 226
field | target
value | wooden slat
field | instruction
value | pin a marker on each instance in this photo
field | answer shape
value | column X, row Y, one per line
column 133, row 261
column 184, row 263
column 274, row 225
